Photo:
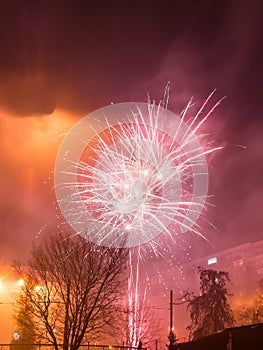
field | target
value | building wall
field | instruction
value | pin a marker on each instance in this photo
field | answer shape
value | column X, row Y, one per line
column 244, row 263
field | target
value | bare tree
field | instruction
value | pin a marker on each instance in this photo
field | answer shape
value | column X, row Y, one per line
column 71, row 288
column 138, row 322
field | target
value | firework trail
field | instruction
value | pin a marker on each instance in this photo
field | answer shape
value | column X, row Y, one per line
column 133, row 300
column 134, row 175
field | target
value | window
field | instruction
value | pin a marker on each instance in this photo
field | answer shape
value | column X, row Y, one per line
column 212, row 261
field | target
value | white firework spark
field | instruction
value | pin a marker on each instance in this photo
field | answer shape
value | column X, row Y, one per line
column 135, row 175
column 129, row 172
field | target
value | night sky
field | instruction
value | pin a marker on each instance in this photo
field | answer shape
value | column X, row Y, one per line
column 60, row 60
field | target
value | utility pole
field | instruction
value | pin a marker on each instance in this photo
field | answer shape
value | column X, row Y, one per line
column 171, row 336
column 171, row 310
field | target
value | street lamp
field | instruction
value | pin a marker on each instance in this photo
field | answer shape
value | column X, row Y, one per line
column 7, row 288
column 20, row 282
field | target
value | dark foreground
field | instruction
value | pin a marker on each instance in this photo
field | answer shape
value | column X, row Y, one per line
column 237, row 338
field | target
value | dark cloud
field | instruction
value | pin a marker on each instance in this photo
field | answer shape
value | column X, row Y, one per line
column 78, row 56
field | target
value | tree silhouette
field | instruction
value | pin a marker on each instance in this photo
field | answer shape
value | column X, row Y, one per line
column 209, row 311
column 25, row 328
column 251, row 310
column 70, row 289
column 172, row 341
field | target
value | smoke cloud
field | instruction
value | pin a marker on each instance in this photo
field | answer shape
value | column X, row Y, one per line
column 58, row 63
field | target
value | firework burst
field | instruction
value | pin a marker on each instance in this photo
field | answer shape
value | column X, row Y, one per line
column 134, row 175
column 129, row 172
